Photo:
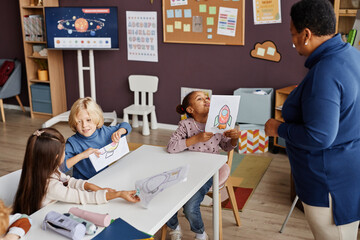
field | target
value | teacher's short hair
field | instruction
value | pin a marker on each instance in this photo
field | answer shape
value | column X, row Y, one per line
column 317, row 15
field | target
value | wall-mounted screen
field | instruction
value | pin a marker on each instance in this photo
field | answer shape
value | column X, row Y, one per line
column 82, row 27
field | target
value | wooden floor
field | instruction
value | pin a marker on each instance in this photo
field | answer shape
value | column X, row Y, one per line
column 261, row 218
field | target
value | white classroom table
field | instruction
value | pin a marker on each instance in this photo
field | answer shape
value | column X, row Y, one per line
column 144, row 162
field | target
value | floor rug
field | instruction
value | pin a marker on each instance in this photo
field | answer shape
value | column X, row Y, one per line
column 251, row 168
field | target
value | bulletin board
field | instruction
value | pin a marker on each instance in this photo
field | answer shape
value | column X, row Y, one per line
column 219, row 22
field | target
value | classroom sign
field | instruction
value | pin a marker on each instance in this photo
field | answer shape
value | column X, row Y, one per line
column 266, row 11
column 141, row 30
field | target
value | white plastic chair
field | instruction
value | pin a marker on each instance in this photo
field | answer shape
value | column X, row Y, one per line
column 146, row 85
column 8, row 187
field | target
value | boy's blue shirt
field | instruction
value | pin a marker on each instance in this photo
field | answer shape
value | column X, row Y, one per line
column 78, row 143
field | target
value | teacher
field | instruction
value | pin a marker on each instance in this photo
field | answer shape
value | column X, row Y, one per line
column 322, row 124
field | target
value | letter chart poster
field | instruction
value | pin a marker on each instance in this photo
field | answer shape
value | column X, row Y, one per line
column 142, row 36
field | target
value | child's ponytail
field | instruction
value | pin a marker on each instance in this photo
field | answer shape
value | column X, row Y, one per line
column 181, row 108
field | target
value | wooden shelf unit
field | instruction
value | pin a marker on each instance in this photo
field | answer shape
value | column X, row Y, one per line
column 280, row 97
column 345, row 15
column 54, row 61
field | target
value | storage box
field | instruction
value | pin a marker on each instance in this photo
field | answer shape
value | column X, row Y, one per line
column 253, row 139
column 254, row 108
column 41, row 98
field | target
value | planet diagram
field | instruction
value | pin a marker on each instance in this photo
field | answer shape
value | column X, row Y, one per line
column 81, row 25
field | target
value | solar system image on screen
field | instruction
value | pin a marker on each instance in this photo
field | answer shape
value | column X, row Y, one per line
column 82, row 27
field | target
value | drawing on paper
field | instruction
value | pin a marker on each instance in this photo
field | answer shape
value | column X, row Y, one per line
column 149, row 187
column 224, row 118
column 109, row 150
column 109, row 154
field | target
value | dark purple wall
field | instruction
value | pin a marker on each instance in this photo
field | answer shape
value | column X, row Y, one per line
column 220, row 68
column 11, row 45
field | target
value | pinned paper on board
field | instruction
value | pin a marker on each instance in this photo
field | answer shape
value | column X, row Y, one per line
column 149, row 187
column 178, row 2
column 222, row 113
column 187, row 13
column 227, row 21
column 197, row 23
column 109, row 154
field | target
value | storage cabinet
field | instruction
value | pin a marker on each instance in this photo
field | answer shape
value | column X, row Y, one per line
column 280, row 97
column 345, row 11
column 55, row 84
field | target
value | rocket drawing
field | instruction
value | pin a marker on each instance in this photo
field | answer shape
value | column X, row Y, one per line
column 224, row 118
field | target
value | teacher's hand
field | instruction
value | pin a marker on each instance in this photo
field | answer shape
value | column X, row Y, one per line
column 271, row 127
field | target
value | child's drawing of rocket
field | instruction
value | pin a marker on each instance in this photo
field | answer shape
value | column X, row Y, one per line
column 224, row 118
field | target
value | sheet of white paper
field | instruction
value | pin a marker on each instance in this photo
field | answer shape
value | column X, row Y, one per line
column 223, row 113
column 227, row 21
column 178, row 2
column 109, row 154
column 149, row 187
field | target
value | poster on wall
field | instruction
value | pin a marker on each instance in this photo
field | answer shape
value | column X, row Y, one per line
column 266, row 51
column 141, row 31
column 267, row 11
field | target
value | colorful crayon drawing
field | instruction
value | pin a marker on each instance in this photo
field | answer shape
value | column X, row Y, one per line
column 109, row 149
column 222, row 113
column 224, row 118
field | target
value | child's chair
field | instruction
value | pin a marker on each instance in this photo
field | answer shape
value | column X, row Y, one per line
column 224, row 181
column 8, row 186
column 12, row 87
column 143, row 84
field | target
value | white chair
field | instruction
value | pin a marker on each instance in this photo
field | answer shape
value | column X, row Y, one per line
column 8, row 187
column 146, row 85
